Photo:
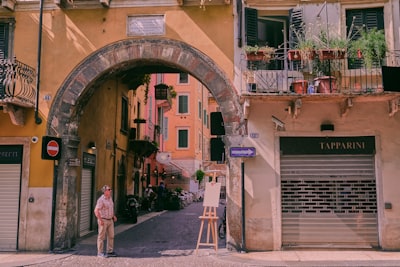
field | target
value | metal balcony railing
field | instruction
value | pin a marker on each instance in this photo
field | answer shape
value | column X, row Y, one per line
column 17, row 83
column 340, row 76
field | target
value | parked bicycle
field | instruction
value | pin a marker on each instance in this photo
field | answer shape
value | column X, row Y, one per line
column 222, row 226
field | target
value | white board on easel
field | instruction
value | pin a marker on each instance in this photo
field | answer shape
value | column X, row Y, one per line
column 211, row 195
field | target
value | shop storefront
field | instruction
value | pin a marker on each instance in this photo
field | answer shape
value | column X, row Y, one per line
column 328, row 189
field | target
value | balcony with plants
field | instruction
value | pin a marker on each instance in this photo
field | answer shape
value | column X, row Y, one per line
column 322, row 62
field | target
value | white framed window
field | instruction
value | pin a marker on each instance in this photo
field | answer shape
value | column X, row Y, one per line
column 183, row 104
column 183, row 78
column 183, row 138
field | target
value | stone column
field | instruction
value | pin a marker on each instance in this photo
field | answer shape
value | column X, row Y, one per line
column 66, row 210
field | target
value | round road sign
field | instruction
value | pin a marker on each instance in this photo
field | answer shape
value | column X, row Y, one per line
column 52, row 148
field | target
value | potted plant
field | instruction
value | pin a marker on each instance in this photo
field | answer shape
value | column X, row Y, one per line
column 200, row 175
column 304, row 47
column 370, row 47
column 331, row 46
column 259, row 53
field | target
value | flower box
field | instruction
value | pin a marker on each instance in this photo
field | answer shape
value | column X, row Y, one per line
column 329, row 54
column 294, row 55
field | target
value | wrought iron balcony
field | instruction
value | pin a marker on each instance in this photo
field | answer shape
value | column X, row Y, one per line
column 17, row 83
column 316, row 76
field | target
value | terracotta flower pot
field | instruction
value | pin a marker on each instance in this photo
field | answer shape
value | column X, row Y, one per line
column 300, row 86
column 325, row 84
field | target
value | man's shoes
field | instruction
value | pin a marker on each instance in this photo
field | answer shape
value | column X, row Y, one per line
column 111, row 254
column 102, row 255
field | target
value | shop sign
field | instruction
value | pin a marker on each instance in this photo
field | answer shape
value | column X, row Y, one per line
column 327, row 145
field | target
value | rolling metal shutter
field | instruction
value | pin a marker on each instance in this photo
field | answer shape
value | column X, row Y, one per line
column 85, row 207
column 329, row 201
column 10, row 180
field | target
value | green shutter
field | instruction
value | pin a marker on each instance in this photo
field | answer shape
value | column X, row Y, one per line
column 4, row 32
column 371, row 18
column 296, row 24
column 251, row 27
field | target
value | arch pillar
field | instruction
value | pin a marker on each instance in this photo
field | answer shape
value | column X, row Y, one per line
column 64, row 192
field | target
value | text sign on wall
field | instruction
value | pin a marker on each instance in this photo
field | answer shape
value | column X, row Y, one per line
column 327, row 145
column 145, row 25
column 10, row 154
column 89, row 160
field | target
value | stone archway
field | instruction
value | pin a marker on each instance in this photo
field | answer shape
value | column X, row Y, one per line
column 63, row 119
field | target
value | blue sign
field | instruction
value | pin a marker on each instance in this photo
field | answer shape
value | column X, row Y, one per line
column 238, row 152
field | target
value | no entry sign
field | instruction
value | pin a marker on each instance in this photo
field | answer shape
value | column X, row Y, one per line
column 51, row 148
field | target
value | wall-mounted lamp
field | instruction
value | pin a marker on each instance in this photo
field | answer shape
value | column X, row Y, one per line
column 92, row 145
column 327, row 127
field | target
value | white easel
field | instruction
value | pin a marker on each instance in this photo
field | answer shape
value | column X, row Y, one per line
column 210, row 204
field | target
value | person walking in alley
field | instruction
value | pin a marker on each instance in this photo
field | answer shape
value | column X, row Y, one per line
column 161, row 193
column 150, row 195
column 104, row 212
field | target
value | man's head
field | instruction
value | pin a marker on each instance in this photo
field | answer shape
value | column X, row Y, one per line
column 106, row 190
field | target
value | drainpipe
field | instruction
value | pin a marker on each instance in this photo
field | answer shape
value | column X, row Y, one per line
column 38, row 120
column 243, row 248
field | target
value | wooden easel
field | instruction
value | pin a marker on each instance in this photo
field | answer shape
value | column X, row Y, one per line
column 210, row 203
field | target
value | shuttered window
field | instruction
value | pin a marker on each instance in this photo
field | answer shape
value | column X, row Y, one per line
column 183, row 104
column 183, row 138
column 4, row 33
column 369, row 18
column 251, row 27
column 295, row 22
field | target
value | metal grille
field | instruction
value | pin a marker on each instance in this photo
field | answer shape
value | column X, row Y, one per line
column 333, row 196
column 329, row 200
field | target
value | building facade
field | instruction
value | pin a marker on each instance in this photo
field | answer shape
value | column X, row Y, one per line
column 320, row 157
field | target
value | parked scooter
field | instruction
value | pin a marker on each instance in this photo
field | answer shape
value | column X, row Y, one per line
column 132, row 208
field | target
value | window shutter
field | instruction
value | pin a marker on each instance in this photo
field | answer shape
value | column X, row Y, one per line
column 371, row 18
column 183, row 104
column 295, row 22
column 251, row 27
column 4, row 31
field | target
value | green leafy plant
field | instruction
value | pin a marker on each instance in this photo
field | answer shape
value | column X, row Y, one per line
column 267, row 51
column 371, row 46
column 305, row 41
column 146, row 82
column 200, row 175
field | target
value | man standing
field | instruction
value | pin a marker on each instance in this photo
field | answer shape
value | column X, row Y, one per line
column 104, row 212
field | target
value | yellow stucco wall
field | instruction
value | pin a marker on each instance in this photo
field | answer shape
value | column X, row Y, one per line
column 69, row 36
